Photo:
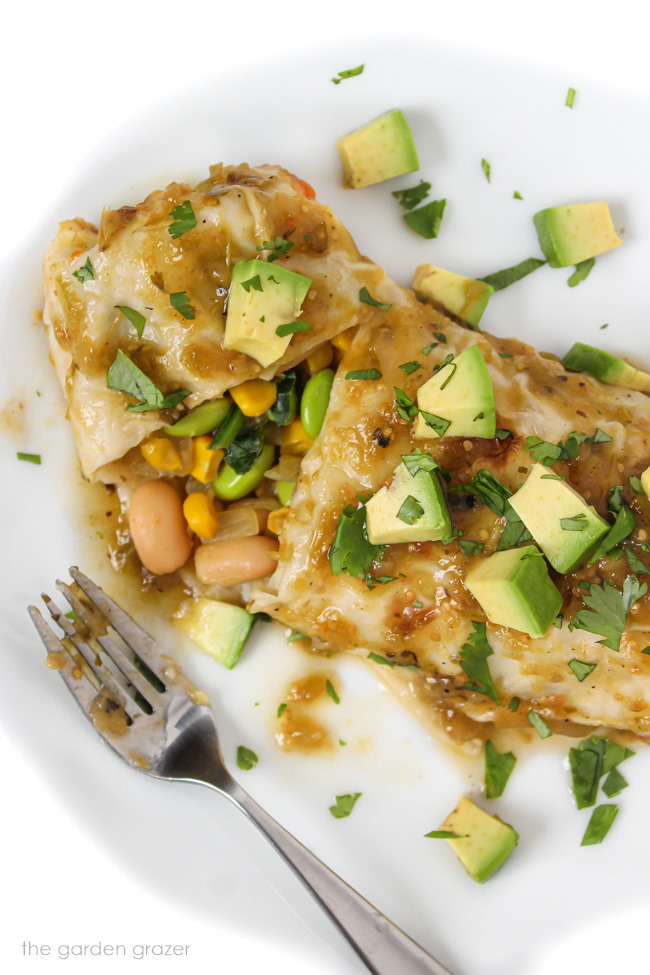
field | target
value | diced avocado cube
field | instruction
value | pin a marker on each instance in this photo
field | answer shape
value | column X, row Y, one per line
column 461, row 395
column 565, row 527
column 461, row 296
column 379, row 150
column 262, row 296
column 484, row 843
column 574, row 233
column 220, row 629
column 645, row 481
column 606, row 367
column 514, row 589
column 387, row 510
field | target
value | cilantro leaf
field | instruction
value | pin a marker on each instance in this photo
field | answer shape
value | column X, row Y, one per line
column 367, row 299
column 246, row 759
column 137, row 320
column 473, row 659
column 470, row 548
column 539, row 724
column 30, row 458
column 548, row 454
column 284, row 409
column 405, row 405
column 488, row 489
column 426, row 220
column 347, row 73
column 290, row 327
column 517, row 195
column 85, row 273
column 581, row 272
column 635, row 484
column 344, row 805
column 514, row 705
column 329, row 687
column 487, row 169
column 599, row 824
column 614, row 784
column 410, row 511
column 437, row 423
column 503, row 279
column 634, row 561
column 184, row 219
column 581, row 669
column 608, row 609
column 387, row 662
column 623, row 526
column 244, row 450
column 615, row 499
column 444, row 834
column 410, row 367
column 410, row 198
column 277, row 247
column 589, row 761
column 255, row 283
column 418, row 461
column 360, row 374
column 125, row 377
column 351, row 551
column 181, row 303
column 498, row 768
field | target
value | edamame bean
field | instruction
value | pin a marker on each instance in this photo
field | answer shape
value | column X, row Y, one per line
column 237, row 560
column 230, row 486
column 315, row 400
column 285, row 490
column 158, row 528
column 202, row 419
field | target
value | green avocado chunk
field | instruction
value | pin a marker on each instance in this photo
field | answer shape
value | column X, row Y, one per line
column 412, row 508
column 379, row 150
column 484, row 842
column 262, row 296
column 463, row 297
column 645, row 481
column 606, row 367
column 202, row 419
column 514, row 589
column 220, row 629
column 461, row 395
column 574, row 233
column 565, row 527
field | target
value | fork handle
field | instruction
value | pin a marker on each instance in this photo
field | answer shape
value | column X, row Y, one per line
column 380, row 944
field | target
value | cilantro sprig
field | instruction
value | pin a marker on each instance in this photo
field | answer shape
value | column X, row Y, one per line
column 473, row 659
column 589, row 761
column 344, row 805
column 409, row 198
column 351, row 550
column 184, row 219
column 125, row 377
column 607, row 611
column 277, row 248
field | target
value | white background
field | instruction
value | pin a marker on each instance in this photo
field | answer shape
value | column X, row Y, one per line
column 69, row 74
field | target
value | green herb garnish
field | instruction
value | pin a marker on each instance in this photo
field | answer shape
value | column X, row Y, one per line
column 498, row 768
column 347, row 73
column 253, row 283
column 570, row 97
column 358, row 374
column 608, row 609
column 410, row 367
column 290, row 327
column 181, row 303
column 85, row 273
column 125, row 377
column 581, row 272
column 411, row 197
column 599, row 824
column 137, row 320
column 634, row 561
column 470, row 548
column 589, row 761
column 281, row 709
column 514, row 705
column 277, row 247
column 538, row 723
column 487, row 169
column 635, row 484
column 387, row 662
column 245, row 448
column 577, row 523
column 548, row 454
column 405, row 405
column 351, row 551
column 367, row 299
column 329, row 687
column 517, row 196
column 410, row 511
column 488, row 489
column 437, row 423
column 286, row 402
column 344, row 805
column 580, row 669
column 296, row 636
column 184, row 219
column 473, row 660
column 246, row 759
column 623, row 526
column 503, row 279
column 426, row 220
column 30, row 458
column 418, row 461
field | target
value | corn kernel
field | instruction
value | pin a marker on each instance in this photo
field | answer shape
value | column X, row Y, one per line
column 205, row 462
column 255, row 396
column 320, row 358
column 296, row 440
column 276, row 521
column 343, row 340
column 161, row 454
column 200, row 515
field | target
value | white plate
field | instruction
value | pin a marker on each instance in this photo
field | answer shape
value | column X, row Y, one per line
column 461, row 110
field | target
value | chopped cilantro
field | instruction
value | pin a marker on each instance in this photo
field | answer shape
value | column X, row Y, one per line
column 608, row 609
column 488, row 489
column 429, row 348
column 417, row 603
column 426, row 220
column 277, row 247
column 284, row 409
column 244, row 449
column 487, row 169
column 634, row 561
column 290, row 327
column 503, row 434
column 296, row 636
column 558, row 621
column 570, row 97
column 514, row 705
column 539, row 724
column 410, row 367
column 181, row 303
column 367, row 299
column 580, row 669
column 372, row 581
column 351, row 551
column 405, row 405
column 599, row 824
column 473, row 659
column 254, row 283
column 410, row 198
column 281, row 709
column 410, row 511
column 246, row 759
column 85, row 273
column 30, row 458
column 184, row 219
column 577, row 523
column 437, row 423
column 445, row 834
column 378, row 659
column 635, row 484
column 606, row 325
column 548, row 454
column 614, row 784
column 615, row 499
column 125, row 377
column 581, row 272
column 623, row 526
column 503, row 279
column 418, row 461
column 135, row 317
column 498, row 768
column 506, row 355
column 517, row 196
column 344, row 805
column 358, row 374
column 329, row 687
column 589, row 761
column 441, row 337
column 470, row 548
column 347, row 73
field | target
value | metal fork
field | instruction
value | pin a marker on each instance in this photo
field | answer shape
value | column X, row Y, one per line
column 142, row 705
